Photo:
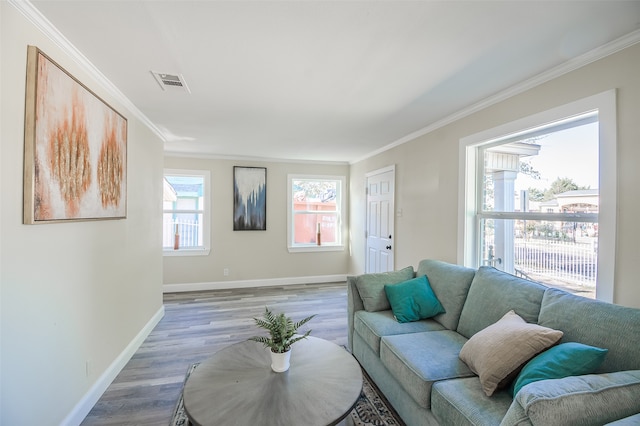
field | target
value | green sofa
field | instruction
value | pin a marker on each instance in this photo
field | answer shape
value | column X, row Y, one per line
column 417, row 364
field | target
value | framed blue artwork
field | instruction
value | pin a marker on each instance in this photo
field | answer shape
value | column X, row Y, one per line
column 249, row 198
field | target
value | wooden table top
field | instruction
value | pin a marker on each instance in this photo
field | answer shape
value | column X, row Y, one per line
column 237, row 386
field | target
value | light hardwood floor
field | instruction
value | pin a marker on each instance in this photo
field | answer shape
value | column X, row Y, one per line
column 195, row 326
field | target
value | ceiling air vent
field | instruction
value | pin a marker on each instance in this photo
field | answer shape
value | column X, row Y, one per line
column 171, row 82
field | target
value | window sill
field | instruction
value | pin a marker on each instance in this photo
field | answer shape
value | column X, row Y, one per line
column 315, row 248
column 186, row 252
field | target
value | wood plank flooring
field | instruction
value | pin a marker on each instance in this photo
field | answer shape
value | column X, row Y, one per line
column 196, row 325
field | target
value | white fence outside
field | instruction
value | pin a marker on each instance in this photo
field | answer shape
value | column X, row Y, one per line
column 190, row 232
column 573, row 262
column 551, row 260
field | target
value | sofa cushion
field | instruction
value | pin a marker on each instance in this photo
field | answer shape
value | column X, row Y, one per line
column 564, row 360
column 595, row 323
column 371, row 287
column 413, row 300
column 420, row 359
column 462, row 402
column 371, row 326
column 450, row 283
column 577, row 400
column 492, row 294
column 497, row 353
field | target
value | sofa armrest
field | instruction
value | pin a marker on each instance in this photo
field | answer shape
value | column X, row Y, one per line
column 354, row 304
column 589, row 399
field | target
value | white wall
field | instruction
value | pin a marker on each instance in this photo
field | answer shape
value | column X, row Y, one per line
column 427, row 170
column 254, row 256
column 70, row 293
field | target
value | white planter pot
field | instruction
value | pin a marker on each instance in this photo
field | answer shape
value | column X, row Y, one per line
column 280, row 362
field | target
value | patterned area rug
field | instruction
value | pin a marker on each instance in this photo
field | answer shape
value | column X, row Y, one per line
column 372, row 409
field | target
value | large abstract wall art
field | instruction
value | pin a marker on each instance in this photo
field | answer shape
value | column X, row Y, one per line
column 249, row 198
column 75, row 149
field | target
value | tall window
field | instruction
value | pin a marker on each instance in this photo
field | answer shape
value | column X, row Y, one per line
column 538, row 216
column 315, row 212
column 185, row 212
column 534, row 198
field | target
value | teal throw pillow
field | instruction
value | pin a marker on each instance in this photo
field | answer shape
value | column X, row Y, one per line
column 563, row 360
column 413, row 300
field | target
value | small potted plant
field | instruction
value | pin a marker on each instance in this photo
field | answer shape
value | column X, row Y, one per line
column 282, row 334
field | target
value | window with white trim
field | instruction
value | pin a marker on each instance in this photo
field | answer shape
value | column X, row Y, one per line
column 185, row 224
column 315, row 206
column 539, row 197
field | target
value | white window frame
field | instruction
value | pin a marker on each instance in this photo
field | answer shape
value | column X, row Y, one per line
column 468, row 232
column 340, row 196
column 205, row 249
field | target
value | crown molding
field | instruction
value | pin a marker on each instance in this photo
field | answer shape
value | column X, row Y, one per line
column 198, row 155
column 45, row 26
column 593, row 55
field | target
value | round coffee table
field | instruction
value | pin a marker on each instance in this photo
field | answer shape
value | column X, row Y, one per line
column 237, row 386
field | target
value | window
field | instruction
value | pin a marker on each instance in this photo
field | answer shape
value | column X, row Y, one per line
column 185, row 229
column 314, row 214
column 540, row 201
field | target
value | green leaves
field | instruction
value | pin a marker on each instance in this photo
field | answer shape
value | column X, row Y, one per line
column 282, row 331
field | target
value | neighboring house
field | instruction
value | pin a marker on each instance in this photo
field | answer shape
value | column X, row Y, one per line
column 577, row 201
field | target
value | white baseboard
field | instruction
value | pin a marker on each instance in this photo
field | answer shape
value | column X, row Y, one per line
column 84, row 406
column 270, row 282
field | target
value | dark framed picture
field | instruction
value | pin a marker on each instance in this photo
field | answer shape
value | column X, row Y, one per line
column 75, row 149
column 249, row 198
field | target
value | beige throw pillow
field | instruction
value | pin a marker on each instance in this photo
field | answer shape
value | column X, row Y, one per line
column 498, row 352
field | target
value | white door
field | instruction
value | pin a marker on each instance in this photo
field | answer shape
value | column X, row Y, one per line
column 380, row 213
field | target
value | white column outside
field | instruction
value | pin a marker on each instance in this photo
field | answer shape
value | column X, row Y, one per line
column 503, row 186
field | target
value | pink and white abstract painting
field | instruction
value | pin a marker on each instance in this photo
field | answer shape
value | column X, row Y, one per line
column 75, row 148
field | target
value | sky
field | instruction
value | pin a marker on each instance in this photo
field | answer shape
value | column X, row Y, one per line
column 571, row 153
